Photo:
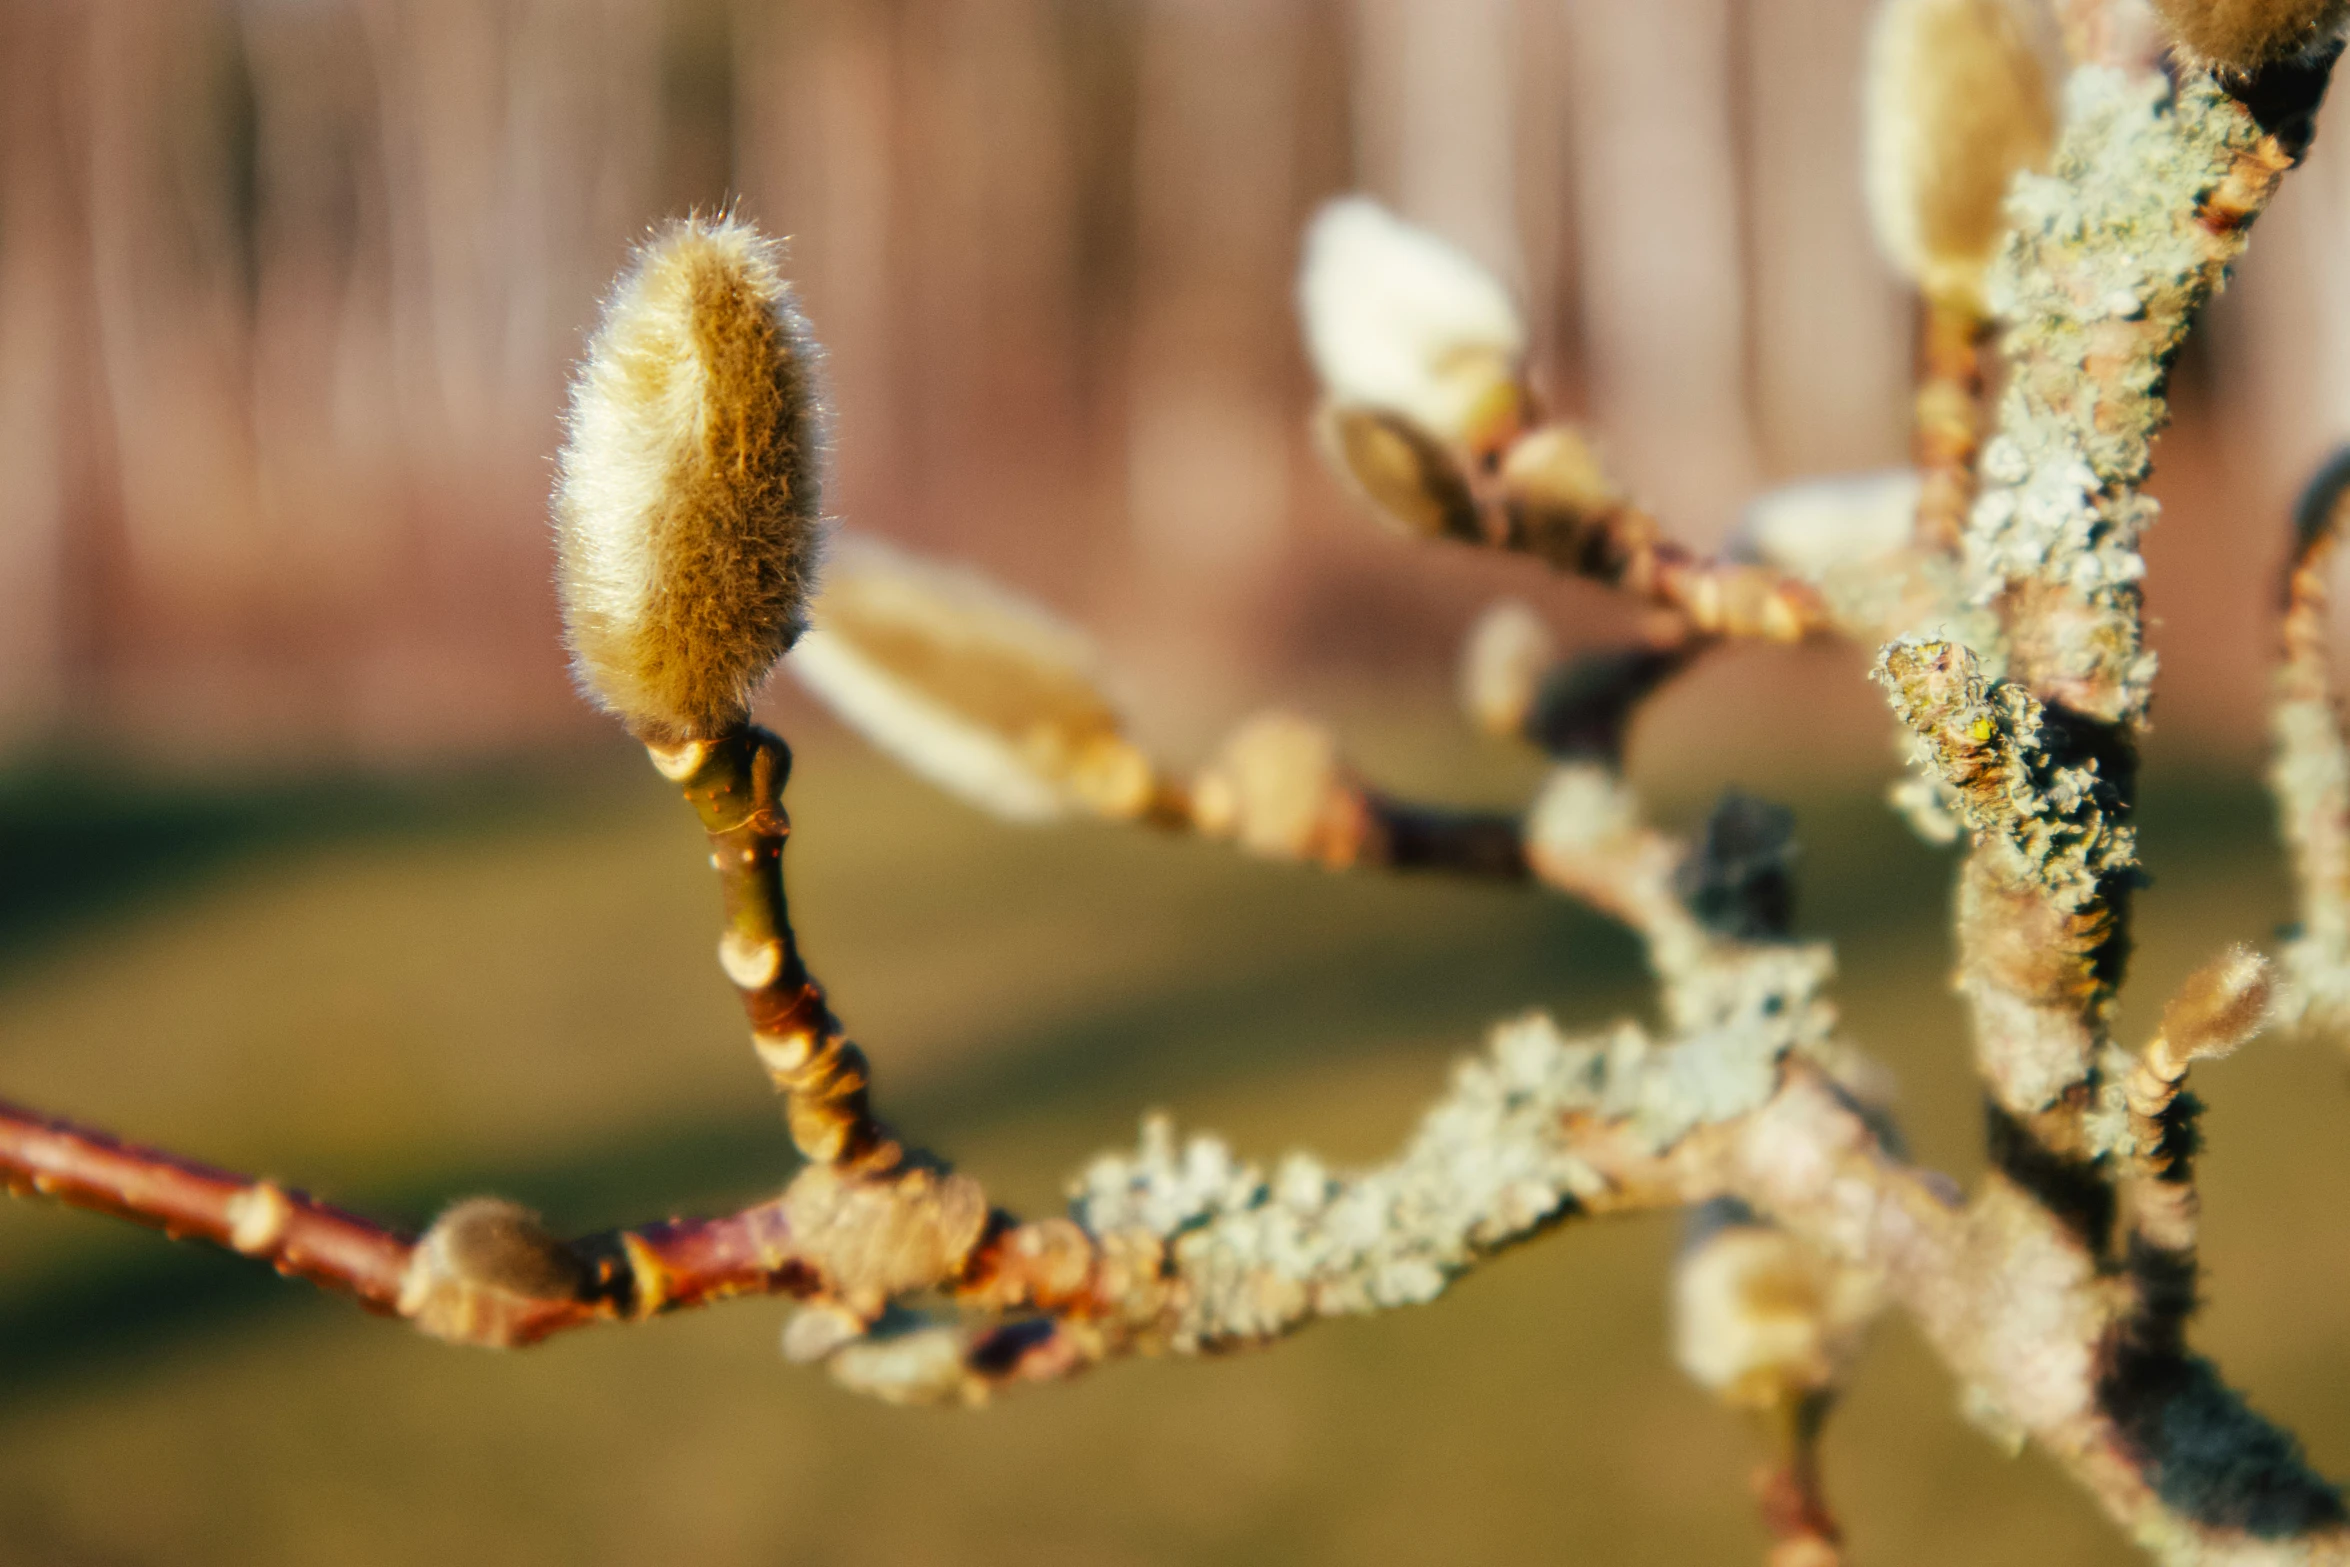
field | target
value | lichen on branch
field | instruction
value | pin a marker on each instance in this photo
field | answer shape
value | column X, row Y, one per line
column 2058, row 1293
column 2110, row 257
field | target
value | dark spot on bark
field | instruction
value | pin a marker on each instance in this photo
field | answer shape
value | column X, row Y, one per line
column 2210, row 1456
column 1737, row 881
column 2074, row 1190
column 2284, row 95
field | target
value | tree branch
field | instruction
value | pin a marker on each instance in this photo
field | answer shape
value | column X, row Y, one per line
column 2309, row 772
column 1548, row 497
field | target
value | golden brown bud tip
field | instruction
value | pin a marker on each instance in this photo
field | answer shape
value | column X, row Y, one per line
column 2221, row 1005
column 1956, row 104
column 2243, row 35
column 688, row 492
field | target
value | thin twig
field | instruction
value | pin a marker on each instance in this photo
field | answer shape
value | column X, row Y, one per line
column 2310, row 769
column 1948, row 422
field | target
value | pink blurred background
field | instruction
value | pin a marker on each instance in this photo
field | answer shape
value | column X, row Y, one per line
column 289, row 288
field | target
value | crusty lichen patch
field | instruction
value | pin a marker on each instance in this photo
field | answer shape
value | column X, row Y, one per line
column 1254, row 1256
column 2109, row 257
column 2052, row 858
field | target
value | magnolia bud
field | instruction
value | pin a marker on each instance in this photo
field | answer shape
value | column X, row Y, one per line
column 1398, row 320
column 1816, row 526
column 484, row 1271
column 1279, row 788
column 1761, row 1321
column 1508, row 653
column 2244, row 35
column 2221, row 1005
column 687, row 493
column 1956, row 104
column 1409, row 479
column 984, row 694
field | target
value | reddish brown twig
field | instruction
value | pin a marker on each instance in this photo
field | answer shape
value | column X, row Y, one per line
column 735, row 784
column 623, row 1275
column 1549, row 498
column 295, row 1233
column 1794, row 1507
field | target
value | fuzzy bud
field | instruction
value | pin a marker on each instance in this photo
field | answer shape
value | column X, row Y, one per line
column 1398, row 320
column 982, row 693
column 1956, row 103
column 1820, row 525
column 2221, row 1005
column 1279, row 788
column 1406, row 477
column 484, row 1273
column 1559, row 490
column 1760, row 1321
column 688, row 491
column 2241, row 36
column 923, row 1365
column 1502, row 667
column 816, row 1331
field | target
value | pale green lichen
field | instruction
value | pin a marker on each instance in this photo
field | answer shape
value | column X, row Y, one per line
column 1493, row 1161
column 2039, row 907
column 2051, row 817
column 2106, row 264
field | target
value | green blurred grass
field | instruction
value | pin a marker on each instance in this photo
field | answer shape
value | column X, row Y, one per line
column 394, row 994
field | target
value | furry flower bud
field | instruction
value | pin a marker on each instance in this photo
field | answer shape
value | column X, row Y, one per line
column 2221, row 1005
column 1503, row 662
column 1758, row 1320
column 484, row 1272
column 1816, row 526
column 1398, row 320
column 985, row 695
column 688, row 491
column 2244, row 35
column 1279, row 788
column 1956, row 104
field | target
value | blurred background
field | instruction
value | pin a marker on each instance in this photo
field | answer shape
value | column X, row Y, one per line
column 311, row 862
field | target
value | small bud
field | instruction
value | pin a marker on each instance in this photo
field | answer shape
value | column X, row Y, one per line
column 1584, row 809
column 2243, row 35
column 478, row 1275
column 922, row 1365
column 687, row 493
column 2221, row 1005
column 1956, row 103
column 1760, row 1321
column 874, row 1240
column 1822, row 524
column 1508, row 652
column 1408, row 479
column 982, row 693
column 816, row 1331
column 1398, row 320
column 1560, row 493
column 1279, row 788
